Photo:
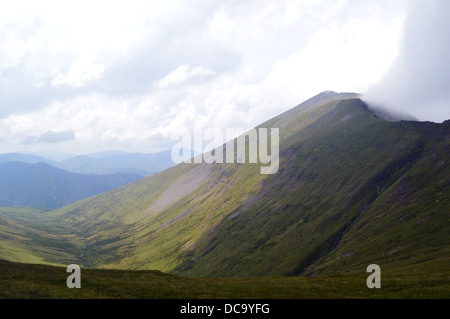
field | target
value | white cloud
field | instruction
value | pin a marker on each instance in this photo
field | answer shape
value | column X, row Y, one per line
column 418, row 83
column 124, row 74
column 183, row 74
column 350, row 57
column 80, row 73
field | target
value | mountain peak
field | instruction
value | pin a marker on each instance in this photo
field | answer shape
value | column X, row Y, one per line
column 325, row 97
column 327, row 92
column 330, row 93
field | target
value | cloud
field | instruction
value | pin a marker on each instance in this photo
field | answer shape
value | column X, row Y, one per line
column 184, row 73
column 51, row 137
column 78, row 75
column 123, row 78
column 349, row 57
column 418, row 83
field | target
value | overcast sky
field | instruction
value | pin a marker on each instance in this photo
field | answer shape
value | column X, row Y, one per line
column 84, row 76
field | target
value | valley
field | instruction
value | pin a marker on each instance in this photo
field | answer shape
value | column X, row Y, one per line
column 352, row 189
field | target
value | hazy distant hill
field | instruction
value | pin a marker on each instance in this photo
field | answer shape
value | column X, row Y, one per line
column 106, row 162
column 43, row 186
column 115, row 162
column 24, row 158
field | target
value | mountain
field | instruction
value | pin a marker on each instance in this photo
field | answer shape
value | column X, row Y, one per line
column 105, row 162
column 352, row 189
column 51, row 156
column 110, row 162
column 24, row 158
column 104, row 154
column 43, row 186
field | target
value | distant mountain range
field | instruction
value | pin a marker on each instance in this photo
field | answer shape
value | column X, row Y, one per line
column 23, row 158
column 352, row 189
column 41, row 185
column 108, row 162
column 38, row 182
column 118, row 162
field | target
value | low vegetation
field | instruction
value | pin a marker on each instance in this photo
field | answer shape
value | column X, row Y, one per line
column 41, row 282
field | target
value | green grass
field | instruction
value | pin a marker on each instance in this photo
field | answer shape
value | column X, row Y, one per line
column 38, row 281
column 28, row 236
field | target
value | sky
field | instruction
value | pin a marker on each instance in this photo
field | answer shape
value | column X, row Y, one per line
column 86, row 76
column 418, row 81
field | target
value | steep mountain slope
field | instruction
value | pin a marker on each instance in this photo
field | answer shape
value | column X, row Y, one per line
column 43, row 186
column 352, row 189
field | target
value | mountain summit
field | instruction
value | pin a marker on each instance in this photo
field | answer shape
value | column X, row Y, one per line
column 352, row 189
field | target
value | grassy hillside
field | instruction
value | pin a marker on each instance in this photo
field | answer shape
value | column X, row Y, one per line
column 27, row 236
column 38, row 281
column 326, row 210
